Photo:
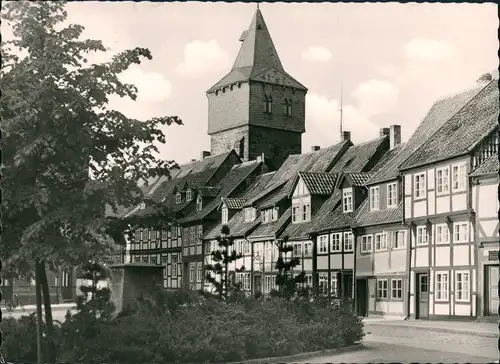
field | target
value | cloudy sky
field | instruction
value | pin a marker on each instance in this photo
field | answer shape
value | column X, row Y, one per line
column 395, row 59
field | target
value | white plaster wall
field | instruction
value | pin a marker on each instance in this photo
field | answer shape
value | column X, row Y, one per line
column 431, row 199
column 322, row 262
column 307, row 264
column 461, row 254
column 408, row 184
column 420, row 208
column 422, row 257
column 489, row 227
column 408, row 207
column 442, row 204
column 441, row 309
column 381, row 262
column 412, row 305
column 398, row 260
column 431, row 304
column 336, row 261
column 462, row 309
column 395, row 307
column 442, row 256
column 459, row 202
column 472, row 256
column 381, row 306
column 348, row 261
column 487, row 204
column 430, row 179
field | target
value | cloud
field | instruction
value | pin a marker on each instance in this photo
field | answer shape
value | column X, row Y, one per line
column 428, row 50
column 376, row 97
column 203, row 57
column 323, row 123
column 317, row 54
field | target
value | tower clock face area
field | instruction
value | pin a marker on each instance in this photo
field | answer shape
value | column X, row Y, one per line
column 257, row 108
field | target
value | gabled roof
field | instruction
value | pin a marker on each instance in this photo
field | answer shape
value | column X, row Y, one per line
column 320, row 184
column 208, row 191
column 365, row 217
column 437, row 116
column 319, row 161
column 271, row 229
column 489, row 166
column 233, row 203
column 227, row 185
column 462, row 132
column 358, row 179
column 256, row 56
column 199, row 172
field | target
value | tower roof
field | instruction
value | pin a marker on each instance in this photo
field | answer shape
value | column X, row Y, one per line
column 256, row 58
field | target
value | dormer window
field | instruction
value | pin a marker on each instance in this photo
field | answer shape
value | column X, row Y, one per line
column 250, row 214
column 225, row 215
column 142, row 206
column 269, row 104
column 199, row 203
column 347, row 200
column 288, row 107
column 306, row 213
column 274, row 214
column 178, row 197
column 392, row 195
column 374, row 198
column 189, row 195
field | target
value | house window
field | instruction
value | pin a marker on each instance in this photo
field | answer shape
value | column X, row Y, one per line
column 458, row 177
column 188, row 195
column 422, row 236
column 307, row 249
column 392, row 195
column 347, row 199
column 420, row 185
column 348, row 242
column 306, row 213
column 335, row 242
column 265, row 216
column 288, row 107
column 199, row 203
column 142, row 206
column 225, row 216
column 323, row 244
column 308, row 280
column 274, row 214
column 250, row 214
column 174, row 265
column 269, row 104
column 398, row 239
column 441, row 286
column 208, row 247
column 334, row 289
column 380, row 241
column 297, row 249
column 397, row 289
column 174, row 232
column 323, row 282
column 460, row 232
column 198, row 272
column 462, row 286
column 178, row 197
column 442, row 234
column 192, row 272
column 295, row 214
column 374, row 198
column 381, row 289
column 244, row 280
column 366, row 244
column 443, row 181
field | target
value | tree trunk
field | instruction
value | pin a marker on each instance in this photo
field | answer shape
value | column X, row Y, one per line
column 39, row 337
column 48, row 314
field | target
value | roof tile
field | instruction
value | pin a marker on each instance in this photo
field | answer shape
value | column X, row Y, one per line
column 321, row 184
column 489, row 166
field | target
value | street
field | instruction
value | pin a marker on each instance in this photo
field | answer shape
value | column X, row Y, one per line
column 406, row 345
column 58, row 312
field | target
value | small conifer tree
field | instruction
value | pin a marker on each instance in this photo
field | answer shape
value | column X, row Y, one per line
column 218, row 273
column 285, row 280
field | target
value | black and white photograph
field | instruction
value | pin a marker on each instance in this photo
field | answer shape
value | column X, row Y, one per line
column 249, row 182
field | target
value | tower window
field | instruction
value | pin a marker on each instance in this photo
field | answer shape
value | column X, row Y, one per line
column 269, row 104
column 288, row 107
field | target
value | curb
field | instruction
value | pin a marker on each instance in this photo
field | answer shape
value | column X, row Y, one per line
column 292, row 358
column 33, row 307
column 441, row 329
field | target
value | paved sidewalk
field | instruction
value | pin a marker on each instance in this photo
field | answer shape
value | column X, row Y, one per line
column 55, row 306
column 485, row 329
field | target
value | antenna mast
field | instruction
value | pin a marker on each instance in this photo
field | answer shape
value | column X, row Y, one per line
column 341, row 110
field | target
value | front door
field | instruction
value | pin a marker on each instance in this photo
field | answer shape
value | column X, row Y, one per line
column 492, row 275
column 347, row 284
column 361, row 297
column 372, row 294
column 422, row 311
column 257, row 284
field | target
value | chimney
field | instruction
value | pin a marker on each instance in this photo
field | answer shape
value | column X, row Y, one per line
column 260, row 158
column 205, row 154
column 193, row 160
column 346, row 135
column 315, row 148
column 395, row 136
column 384, row 131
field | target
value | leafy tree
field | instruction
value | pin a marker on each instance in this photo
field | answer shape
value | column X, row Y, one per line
column 69, row 160
column 285, row 280
column 218, row 273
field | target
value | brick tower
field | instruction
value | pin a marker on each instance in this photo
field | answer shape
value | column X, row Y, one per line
column 257, row 108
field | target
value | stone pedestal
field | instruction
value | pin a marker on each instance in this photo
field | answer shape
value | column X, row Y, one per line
column 133, row 280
